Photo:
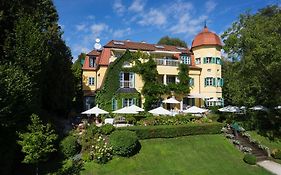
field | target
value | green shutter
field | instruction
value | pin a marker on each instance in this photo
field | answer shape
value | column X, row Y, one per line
column 205, row 81
column 134, row 101
column 214, row 81
column 221, row 81
column 122, row 102
column 204, row 60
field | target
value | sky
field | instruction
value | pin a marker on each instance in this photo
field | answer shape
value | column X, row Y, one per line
column 82, row 21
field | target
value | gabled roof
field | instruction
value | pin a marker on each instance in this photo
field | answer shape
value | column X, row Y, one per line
column 144, row 46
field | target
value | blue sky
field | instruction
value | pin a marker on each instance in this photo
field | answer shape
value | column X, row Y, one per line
column 145, row 20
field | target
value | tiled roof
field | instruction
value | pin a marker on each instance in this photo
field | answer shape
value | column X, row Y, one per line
column 105, row 55
column 94, row 53
column 86, row 65
column 144, row 46
column 206, row 38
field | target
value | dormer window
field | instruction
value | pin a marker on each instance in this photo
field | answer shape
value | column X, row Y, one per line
column 185, row 59
column 92, row 62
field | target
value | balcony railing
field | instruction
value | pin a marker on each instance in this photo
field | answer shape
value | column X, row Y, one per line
column 126, row 84
column 166, row 62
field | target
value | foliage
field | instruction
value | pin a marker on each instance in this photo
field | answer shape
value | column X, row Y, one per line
column 107, row 129
column 77, row 72
column 257, row 64
column 70, row 167
column 111, row 83
column 166, row 40
column 250, row 159
column 166, row 120
column 87, row 138
column 101, row 151
column 167, row 131
column 276, row 154
column 69, row 146
column 123, row 142
column 38, row 142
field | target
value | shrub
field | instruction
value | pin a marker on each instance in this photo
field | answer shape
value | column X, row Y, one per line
column 168, row 131
column 250, row 159
column 276, row 154
column 69, row 146
column 101, row 152
column 87, row 138
column 107, row 129
column 123, row 142
column 70, row 167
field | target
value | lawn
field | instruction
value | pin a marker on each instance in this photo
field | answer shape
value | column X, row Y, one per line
column 201, row 154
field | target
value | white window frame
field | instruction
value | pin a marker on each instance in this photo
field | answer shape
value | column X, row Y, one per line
column 91, row 81
column 197, row 60
column 127, row 83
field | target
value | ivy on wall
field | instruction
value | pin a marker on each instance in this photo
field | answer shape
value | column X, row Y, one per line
column 152, row 89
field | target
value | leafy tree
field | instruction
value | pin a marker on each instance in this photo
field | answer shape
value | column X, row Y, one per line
column 166, row 40
column 253, row 76
column 77, row 72
column 253, row 41
column 38, row 142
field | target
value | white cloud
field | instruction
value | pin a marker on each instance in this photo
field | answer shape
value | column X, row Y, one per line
column 121, row 33
column 80, row 27
column 97, row 29
column 118, row 7
column 137, row 6
column 153, row 17
column 210, row 6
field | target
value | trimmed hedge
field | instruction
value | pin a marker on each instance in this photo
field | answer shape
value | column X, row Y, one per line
column 250, row 159
column 124, row 143
column 69, row 146
column 168, row 131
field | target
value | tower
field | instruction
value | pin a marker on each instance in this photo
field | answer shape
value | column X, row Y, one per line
column 206, row 48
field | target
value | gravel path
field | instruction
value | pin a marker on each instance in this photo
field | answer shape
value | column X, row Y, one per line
column 271, row 166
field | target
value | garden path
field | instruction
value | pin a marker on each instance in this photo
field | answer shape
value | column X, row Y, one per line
column 271, row 166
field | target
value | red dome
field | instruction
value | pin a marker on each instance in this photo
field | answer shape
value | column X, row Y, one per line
column 206, row 38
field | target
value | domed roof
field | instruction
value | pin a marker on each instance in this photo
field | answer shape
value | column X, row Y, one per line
column 206, row 38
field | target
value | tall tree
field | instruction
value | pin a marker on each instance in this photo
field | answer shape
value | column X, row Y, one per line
column 254, row 41
column 172, row 41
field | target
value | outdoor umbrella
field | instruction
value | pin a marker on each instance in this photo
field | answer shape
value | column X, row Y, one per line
column 195, row 110
column 95, row 110
column 126, row 110
column 171, row 100
column 231, row 109
column 259, row 108
column 136, row 108
column 160, row 111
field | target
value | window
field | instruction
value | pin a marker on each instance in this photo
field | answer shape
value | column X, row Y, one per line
column 91, row 81
column 198, row 61
column 126, row 80
column 191, row 82
column 220, row 82
column 185, row 59
column 92, row 62
column 210, row 81
column 209, row 70
column 114, row 104
column 171, row 79
column 218, row 60
column 128, row 101
column 209, row 60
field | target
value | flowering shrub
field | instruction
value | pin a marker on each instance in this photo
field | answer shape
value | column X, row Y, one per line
column 229, row 136
column 246, row 149
column 101, row 152
column 236, row 142
column 224, row 129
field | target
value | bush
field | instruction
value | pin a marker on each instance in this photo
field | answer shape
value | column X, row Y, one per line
column 123, row 142
column 250, row 159
column 70, row 167
column 168, row 131
column 87, row 138
column 276, row 154
column 107, row 129
column 69, row 146
column 101, row 152
column 167, row 120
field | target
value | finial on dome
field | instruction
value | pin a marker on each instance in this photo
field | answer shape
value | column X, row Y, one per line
column 205, row 25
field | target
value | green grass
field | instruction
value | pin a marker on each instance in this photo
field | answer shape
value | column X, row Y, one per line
column 196, row 155
column 276, row 144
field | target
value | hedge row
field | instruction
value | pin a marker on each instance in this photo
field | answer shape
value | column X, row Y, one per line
column 168, row 131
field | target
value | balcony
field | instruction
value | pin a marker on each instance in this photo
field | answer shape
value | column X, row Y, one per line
column 167, row 62
column 126, row 84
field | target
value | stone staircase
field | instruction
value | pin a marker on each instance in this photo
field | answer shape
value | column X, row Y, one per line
column 259, row 153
